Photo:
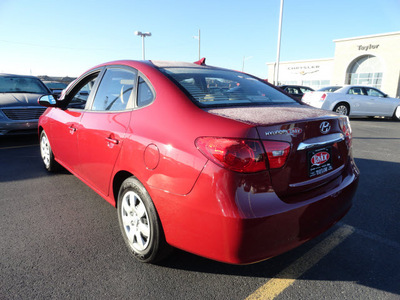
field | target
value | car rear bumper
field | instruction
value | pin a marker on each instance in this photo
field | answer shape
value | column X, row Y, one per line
column 242, row 223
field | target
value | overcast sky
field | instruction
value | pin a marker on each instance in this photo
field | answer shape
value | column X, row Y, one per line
column 66, row 37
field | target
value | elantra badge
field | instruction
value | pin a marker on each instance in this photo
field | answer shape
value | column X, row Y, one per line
column 325, row 127
column 320, row 158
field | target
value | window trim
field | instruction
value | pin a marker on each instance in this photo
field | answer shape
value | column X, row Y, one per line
column 130, row 106
column 136, row 104
column 78, row 84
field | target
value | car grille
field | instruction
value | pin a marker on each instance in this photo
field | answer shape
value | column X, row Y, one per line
column 29, row 113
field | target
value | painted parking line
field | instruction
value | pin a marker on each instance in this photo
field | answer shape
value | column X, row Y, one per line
column 288, row 276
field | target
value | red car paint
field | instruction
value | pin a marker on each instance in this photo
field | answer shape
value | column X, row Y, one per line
column 206, row 208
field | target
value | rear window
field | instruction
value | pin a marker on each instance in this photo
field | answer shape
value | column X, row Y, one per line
column 329, row 89
column 224, row 88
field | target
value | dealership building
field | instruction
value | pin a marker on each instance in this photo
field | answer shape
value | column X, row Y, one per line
column 372, row 60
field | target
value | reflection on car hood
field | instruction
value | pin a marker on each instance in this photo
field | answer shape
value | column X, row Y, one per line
column 18, row 99
column 270, row 115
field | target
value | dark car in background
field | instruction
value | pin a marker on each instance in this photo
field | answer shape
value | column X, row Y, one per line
column 330, row 89
column 55, row 87
column 19, row 109
column 296, row 91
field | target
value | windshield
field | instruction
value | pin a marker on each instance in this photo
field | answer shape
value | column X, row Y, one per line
column 21, row 85
column 224, row 88
column 56, row 85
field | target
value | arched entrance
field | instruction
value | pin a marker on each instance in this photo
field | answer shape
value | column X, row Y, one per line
column 365, row 70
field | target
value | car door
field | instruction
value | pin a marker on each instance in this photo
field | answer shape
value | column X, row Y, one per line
column 104, row 125
column 358, row 102
column 65, row 123
column 379, row 104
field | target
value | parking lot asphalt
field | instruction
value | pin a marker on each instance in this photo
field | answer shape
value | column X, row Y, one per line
column 60, row 240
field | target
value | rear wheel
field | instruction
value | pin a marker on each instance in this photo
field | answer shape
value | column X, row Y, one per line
column 47, row 154
column 342, row 109
column 396, row 114
column 139, row 223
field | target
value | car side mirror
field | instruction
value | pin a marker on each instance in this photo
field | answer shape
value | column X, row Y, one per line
column 47, row 101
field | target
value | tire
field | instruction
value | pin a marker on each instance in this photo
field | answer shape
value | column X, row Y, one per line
column 396, row 114
column 139, row 223
column 47, row 154
column 342, row 109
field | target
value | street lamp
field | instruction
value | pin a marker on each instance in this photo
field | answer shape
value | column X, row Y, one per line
column 198, row 38
column 244, row 59
column 278, row 52
column 143, row 35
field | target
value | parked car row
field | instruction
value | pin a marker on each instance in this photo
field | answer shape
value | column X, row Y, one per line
column 349, row 100
column 19, row 110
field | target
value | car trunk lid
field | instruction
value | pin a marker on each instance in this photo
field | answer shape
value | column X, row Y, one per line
column 318, row 147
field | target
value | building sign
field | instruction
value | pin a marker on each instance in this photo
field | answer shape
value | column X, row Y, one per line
column 303, row 70
column 368, row 47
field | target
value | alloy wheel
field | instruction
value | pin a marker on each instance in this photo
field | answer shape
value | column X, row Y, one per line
column 45, row 150
column 135, row 221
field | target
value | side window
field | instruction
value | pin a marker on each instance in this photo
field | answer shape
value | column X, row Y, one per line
column 305, row 90
column 145, row 93
column 80, row 97
column 115, row 90
column 374, row 93
column 356, row 91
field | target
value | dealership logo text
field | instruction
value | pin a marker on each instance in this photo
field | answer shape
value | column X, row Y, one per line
column 291, row 131
column 366, row 48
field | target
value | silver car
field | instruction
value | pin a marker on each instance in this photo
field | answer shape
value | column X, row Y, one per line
column 355, row 100
column 19, row 109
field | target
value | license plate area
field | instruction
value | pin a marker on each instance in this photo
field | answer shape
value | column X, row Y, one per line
column 319, row 161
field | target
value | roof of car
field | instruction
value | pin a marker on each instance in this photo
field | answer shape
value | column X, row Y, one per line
column 16, row 75
column 165, row 64
column 180, row 64
column 293, row 85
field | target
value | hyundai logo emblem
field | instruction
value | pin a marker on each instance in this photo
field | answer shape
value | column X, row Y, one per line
column 325, row 127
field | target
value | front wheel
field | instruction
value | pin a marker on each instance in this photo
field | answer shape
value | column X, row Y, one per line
column 342, row 109
column 139, row 223
column 396, row 113
column 47, row 154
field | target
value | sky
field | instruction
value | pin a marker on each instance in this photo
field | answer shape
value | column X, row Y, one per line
column 67, row 37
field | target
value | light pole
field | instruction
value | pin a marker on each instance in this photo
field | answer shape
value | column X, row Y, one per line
column 244, row 59
column 143, row 35
column 198, row 38
column 278, row 52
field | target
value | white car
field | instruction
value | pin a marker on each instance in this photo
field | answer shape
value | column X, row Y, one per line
column 354, row 100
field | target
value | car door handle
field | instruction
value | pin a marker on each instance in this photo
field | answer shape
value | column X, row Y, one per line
column 72, row 129
column 112, row 141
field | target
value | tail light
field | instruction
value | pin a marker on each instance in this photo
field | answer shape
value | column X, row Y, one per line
column 346, row 129
column 322, row 99
column 277, row 153
column 245, row 156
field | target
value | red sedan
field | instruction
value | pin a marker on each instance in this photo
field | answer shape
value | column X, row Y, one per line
column 208, row 160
